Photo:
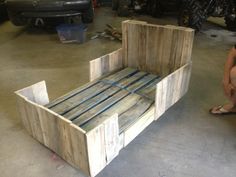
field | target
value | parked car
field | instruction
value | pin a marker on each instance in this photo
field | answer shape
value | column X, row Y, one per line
column 39, row 12
column 194, row 13
column 3, row 10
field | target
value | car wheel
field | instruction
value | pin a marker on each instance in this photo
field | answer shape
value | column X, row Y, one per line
column 17, row 20
column 230, row 22
column 87, row 16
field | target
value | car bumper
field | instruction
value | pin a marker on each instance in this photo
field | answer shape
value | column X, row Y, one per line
column 36, row 8
column 49, row 14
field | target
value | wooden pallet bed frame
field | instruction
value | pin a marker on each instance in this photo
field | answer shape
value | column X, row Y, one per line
column 147, row 51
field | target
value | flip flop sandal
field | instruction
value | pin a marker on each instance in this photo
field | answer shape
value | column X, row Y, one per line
column 220, row 111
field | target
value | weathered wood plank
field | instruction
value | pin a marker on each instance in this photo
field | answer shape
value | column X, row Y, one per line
column 76, row 100
column 120, row 107
column 141, row 83
column 171, row 89
column 70, row 94
column 130, row 116
column 105, row 64
column 96, row 149
column 53, row 130
column 87, row 105
column 90, row 103
column 119, row 75
column 100, row 108
column 79, row 149
column 130, row 80
column 149, row 91
column 132, row 44
column 134, row 130
column 156, row 49
column 112, row 138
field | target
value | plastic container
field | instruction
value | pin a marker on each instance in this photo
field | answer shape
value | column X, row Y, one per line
column 72, row 33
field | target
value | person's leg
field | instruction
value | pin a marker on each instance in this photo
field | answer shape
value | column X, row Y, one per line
column 233, row 82
column 231, row 107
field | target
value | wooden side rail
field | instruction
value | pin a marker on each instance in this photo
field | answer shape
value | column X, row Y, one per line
column 89, row 151
column 171, row 89
column 106, row 64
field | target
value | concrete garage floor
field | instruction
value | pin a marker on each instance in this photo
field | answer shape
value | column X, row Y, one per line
column 185, row 142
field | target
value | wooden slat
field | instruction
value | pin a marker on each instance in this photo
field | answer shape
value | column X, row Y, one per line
column 118, row 108
column 112, row 141
column 87, row 105
column 145, row 120
column 141, row 83
column 119, row 75
column 77, row 111
column 96, row 149
column 70, row 94
column 130, row 80
column 132, row 44
column 76, row 100
column 130, row 116
column 149, row 91
column 100, row 108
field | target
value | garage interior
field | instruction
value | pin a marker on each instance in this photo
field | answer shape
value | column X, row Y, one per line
column 186, row 142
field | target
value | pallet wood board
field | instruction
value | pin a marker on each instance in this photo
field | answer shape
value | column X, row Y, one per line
column 97, row 98
column 76, row 100
column 100, row 108
column 130, row 116
column 120, row 107
column 128, row 89
column 156, row 49
column 105, row 64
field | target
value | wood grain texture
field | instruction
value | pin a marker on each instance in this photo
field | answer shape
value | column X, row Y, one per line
column 171, row 89
column 70, row 94
column 89, row 104
column 112, row 138
column 130, row 116
column 53, row 130
column 100, row 108
column 103, row 144
column 120, row 107
column 105, row 64
column 156, row 49
column 134, row 130
column 78, row 99
column 114, row 78
column 96, row 149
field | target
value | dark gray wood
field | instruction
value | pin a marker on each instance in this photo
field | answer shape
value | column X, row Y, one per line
column 141, row 83
column 119, row 75
column 78, row 99
column 87, row 105
column 70, row 94
column 118, row 108
column 100, row 108
column 130, row 80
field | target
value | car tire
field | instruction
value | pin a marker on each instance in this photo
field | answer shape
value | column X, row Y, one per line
column 191, row 15
column 230, row 23
column 17, row 20
column 87, row 16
